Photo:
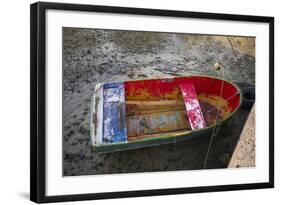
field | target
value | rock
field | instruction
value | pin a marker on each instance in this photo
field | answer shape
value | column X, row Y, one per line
column 217, row 66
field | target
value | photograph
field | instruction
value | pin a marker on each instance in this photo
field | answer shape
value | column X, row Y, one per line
column 134, row 102
column 143, row 101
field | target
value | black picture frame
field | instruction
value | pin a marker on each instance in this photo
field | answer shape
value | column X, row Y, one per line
column 38, row 100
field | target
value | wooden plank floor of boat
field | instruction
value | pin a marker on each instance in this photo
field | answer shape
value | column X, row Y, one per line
column 146, row 119
column 149, row 118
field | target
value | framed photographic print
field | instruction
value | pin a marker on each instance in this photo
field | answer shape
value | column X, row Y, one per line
column 129, row 102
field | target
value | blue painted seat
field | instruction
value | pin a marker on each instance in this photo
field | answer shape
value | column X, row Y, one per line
column 114, row 113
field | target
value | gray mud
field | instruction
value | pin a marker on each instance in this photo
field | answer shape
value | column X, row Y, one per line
column 93, row 56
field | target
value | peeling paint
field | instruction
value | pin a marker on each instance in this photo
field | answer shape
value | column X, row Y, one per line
column 193, row 109
column 156, row 123
column 211, row 105
column 114, row 129
column 148, row 109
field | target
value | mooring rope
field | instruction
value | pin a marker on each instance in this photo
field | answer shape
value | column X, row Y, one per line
column 216, row 123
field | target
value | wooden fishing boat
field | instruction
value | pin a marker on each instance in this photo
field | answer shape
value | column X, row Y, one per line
column 142, row 113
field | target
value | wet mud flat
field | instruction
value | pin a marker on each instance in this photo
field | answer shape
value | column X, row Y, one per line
column 94, row 56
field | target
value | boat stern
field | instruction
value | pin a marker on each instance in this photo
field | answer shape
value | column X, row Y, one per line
column 96, row 121
column 108, row 114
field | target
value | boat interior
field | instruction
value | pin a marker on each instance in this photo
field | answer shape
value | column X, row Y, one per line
column 156, row 106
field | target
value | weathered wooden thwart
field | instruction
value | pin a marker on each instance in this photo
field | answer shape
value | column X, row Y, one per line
column 193, row 108
column 142, row 113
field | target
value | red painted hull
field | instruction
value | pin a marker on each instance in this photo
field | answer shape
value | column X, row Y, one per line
column 169, row 89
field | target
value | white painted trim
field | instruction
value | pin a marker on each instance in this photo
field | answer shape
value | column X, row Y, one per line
column 97, row 138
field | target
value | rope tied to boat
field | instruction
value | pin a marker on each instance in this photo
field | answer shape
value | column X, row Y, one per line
column 214, row 133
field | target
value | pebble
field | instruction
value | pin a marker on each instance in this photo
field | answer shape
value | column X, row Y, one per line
column 217, row 66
